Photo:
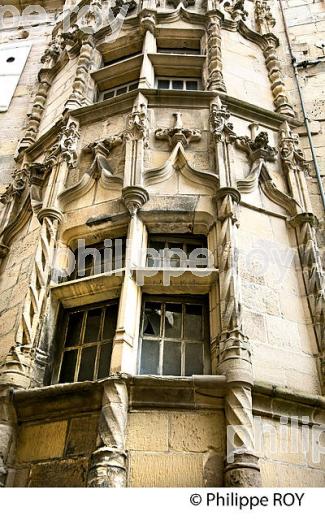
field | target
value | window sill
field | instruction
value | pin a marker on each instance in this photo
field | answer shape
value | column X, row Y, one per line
column 92, row 289
column 181, row 281
column 178, row 65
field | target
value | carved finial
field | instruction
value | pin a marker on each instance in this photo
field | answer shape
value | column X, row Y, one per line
column 178, row 134
column 263, row 17
column 220, row 127
column 290, row 151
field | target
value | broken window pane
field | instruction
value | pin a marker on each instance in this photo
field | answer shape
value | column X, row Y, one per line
column 152, row 314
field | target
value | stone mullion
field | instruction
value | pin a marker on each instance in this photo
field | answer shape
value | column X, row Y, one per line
column 215, row 78
column 314, row 279
column 109, row 461
column 124, row 346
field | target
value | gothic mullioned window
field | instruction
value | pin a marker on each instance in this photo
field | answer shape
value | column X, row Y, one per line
column 179, row 249
column 174, row 337
column 88, row 334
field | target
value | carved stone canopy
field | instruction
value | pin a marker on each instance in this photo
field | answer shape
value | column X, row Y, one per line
column 178, row 134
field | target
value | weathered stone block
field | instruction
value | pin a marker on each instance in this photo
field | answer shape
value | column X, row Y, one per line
column 82, row 435
column 165, row 470
column 196, row 432
column 147, row 431
column 41, row 441
column 61, row 473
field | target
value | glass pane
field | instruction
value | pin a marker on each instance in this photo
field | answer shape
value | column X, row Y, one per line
column 173, row 320
column 74, row 329
column 193, row 359
column 84, row 265
column 149, row 357
column 87, row 364
column 121, row 90
column 92, row 325
column 191, row 85
column 110, row 322
column 177, row 84
column 68, row 366
column 109, row 95
column 134, row 86
column 163, row 83
column 105, row 360
column 152, row 314
column 172, row 358
column 193, row 322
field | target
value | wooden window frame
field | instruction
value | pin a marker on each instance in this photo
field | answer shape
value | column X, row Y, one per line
column 183, row 300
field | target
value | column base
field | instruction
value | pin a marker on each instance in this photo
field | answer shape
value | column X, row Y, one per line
column 107, row 468
column 244, row 471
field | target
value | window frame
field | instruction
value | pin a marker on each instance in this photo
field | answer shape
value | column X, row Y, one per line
column 173, row 78
column 81, row 345
column 183, row 300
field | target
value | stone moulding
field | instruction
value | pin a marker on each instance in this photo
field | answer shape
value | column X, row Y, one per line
column 178, row 161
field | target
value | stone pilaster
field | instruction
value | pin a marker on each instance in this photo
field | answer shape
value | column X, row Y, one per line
column 108, row 461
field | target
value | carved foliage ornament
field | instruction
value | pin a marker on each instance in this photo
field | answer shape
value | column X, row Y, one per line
column 137, row 125
column 119, row 4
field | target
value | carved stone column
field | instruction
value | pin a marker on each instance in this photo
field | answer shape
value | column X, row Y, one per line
column 233, row 351
column 215, row 77
column 25, row 363
column 314, row 278
column 223, row 138
column 78, row 96
column 45, row 78
column 108, row 462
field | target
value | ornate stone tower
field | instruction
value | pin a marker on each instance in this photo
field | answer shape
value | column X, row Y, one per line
column 161, row 289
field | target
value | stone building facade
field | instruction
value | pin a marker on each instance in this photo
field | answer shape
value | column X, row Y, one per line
column 142, row 126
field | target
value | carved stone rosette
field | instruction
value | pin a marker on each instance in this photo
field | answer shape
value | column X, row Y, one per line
column 314, row 278
column 108, row 462
column 215, row 77
column 233, row 350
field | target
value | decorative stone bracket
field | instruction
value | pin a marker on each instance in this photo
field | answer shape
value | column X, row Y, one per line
column 178, row 134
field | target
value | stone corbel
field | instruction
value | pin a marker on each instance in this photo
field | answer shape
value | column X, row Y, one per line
column 148, row 20
column 134, row 198
column 178, row 134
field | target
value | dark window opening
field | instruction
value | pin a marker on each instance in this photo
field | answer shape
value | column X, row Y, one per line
column 178, row 251
column 88, row 342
